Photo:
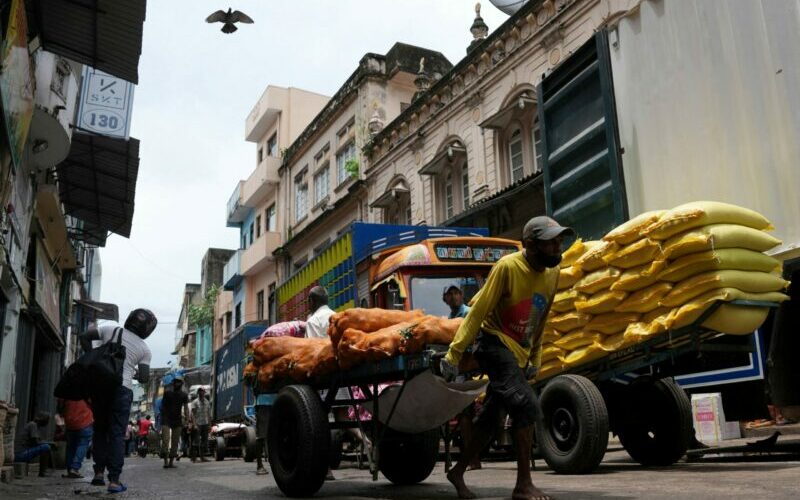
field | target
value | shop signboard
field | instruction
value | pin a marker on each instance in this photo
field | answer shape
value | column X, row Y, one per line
column 105, row 105
column 16, row 82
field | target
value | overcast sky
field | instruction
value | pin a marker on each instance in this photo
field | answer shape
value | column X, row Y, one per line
column 197, row 86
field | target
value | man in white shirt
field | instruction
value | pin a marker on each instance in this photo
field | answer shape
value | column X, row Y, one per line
column 201, row 412
column 112, row 411
column 317, row 323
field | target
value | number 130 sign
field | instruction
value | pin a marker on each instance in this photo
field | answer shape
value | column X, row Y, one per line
column 105, row 104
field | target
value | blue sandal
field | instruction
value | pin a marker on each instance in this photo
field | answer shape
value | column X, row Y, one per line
column 118, row 489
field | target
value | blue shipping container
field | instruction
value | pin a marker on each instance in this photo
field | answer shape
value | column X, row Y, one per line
column 232, row 397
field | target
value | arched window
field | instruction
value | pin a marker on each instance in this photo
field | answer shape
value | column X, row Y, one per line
column 449, row 174
column 537, row 144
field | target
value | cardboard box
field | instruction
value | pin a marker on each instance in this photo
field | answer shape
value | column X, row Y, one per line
column 710, row 425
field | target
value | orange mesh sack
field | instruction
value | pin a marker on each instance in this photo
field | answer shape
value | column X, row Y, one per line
column 430, row 330
column 356, row 347
column 367, row 320
column 269, row 348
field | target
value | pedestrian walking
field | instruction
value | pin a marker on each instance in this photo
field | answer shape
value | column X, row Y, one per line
column 144, row 426
column 174, row 407
column 112, row 410
column 201, row 415
column 78, row 424
column 30, row 444
column 507, row 320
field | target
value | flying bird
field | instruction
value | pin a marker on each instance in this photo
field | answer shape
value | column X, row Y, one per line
column 229, row 19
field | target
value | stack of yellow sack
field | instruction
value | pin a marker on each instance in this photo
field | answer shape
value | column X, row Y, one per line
column 661, row 270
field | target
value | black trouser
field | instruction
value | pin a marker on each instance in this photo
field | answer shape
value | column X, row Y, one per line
column 199, row 441
column 508, row 391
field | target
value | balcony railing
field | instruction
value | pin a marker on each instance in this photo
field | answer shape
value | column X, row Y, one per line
column 262, row 182
column 236, row 209
column 259, row 254
column 231, row 273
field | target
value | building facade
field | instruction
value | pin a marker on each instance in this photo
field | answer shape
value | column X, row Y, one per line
column 52, row 173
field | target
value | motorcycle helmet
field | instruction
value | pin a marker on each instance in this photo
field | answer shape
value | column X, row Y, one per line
column 142, row 322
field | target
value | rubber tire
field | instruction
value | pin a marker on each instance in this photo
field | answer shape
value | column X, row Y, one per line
column 336, row 449
column 249, row 444
column 663, row 409
column 572, row 404
column 298, row 440
column 408, row 458
column 219, row 452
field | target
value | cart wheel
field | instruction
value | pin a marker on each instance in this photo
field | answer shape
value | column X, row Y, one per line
column 298, row 440
column 408, row 458
column 573, row 431
column 336, row 449
column 656, row 425
column 219, row 452
column 249, row 444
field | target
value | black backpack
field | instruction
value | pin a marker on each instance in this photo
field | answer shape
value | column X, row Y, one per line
column 96, row 373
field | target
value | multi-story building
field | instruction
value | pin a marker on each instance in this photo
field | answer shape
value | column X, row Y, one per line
column 62, row 188
column 277, row 119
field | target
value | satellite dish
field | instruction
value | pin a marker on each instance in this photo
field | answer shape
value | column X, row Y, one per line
column 509, row 7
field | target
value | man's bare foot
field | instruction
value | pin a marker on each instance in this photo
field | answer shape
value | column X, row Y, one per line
column 529, row 492
column 456, row 478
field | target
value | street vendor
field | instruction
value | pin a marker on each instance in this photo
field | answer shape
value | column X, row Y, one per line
column 506, row 323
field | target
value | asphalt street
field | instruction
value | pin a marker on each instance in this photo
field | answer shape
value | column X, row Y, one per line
column 617, row 478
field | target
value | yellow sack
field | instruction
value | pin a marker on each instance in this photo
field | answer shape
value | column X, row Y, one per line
column 565, row 301
column 659, row 313
column 616, row 342
column 703, row 213
column 598, row 280
column 551, row 352
column 639, row 331
column 644, row 300
column 718, row 236
column 568, row 276
column 692, row 310
column 569, row 321
column 549, row 334
column 573, row 253
column 601, row 302
column 583, row 355
column 552, row 367
column 638, row 253
column 633, row 229
column 736, row 320
column 611, row 323
column 747, row 281
column 724, row 258
column 576, row 339
column 639, row 277
column 592, row 259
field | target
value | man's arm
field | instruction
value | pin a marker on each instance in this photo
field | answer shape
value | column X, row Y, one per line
column 484, row 303
column 143, row 371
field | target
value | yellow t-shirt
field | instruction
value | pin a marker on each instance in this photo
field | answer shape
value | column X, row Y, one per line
column 512, row 304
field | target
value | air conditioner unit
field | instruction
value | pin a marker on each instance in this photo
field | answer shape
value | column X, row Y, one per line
column 54, row 111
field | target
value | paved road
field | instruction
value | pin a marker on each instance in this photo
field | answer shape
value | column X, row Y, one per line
column 617, row 478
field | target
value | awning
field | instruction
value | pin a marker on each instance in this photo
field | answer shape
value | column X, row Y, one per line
column 390, row 197
column 444, row 158
column 103, row 34
column 97, row 181
column 99, row 310
column 88, row 233
column 502, row 119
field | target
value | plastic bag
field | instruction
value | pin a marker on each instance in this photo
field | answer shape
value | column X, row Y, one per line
column 689, row 312
column 568, row 321
column 551, row 352
column 576, row 339
column 592, row 259
column 583, row 355
column 565, row 301
column 568, row 276
column 572, row 253
column 703, row 213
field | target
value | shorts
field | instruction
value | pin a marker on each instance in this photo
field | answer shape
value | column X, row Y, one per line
column 508, row 390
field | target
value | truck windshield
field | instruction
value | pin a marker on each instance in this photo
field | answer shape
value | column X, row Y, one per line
column 426, row 292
